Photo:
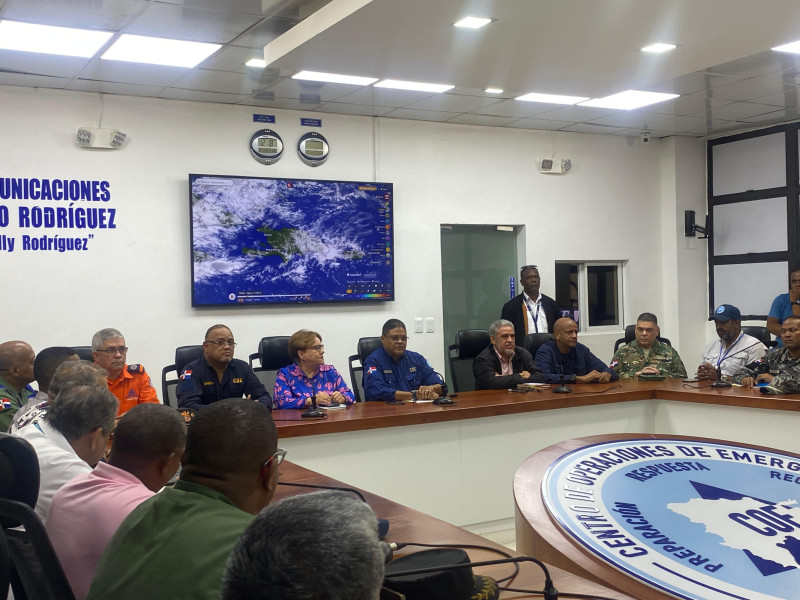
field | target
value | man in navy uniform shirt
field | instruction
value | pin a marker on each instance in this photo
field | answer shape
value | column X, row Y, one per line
column 565, row 357
column 217, row 375
column 392, row 373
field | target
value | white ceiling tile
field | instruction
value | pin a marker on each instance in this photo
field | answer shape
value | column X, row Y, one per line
column 287, row 87
column 35, row 63
column 540, row 124
column 517, row 108
column 107, row 87
column 107, row 15
column 455, row 103
column 784, row 115
column 630, row 118
column 488, row 120
column 738, row 111
column 689, row 104
column 262, row 34
column 696, row 125
column 750, row 88
column 420, row 115
column 590, row 128
column 221, row 81
column 383, row 96
column 195, row 96
column 343, row 108
column 191, row 24
column 42, row 81
column 577, row 113
column 128, row 72
column 287, row 103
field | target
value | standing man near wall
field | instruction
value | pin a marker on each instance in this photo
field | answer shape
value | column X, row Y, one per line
column 530, row 311
column 784, row 305
column 130, row 384
column 16, row 372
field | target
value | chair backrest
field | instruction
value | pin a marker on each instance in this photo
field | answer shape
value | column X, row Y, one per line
column 534, row 340
column 630, row 335
column 760, row 333
column 366, row 346
column 34, row 570
column 272, row 355
column 461, row 355
column 183, row 356
column 84, row 352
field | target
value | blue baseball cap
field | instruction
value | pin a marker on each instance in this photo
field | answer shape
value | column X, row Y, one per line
column 726, row 312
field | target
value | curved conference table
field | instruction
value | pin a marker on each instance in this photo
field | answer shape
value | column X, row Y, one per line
column 458, row 463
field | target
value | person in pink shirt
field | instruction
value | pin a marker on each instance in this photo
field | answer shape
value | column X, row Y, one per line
column 85, row 513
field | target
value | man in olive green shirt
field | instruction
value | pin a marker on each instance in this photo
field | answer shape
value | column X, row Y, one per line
column 16, row 372
column 176, row 544
column 646, row 355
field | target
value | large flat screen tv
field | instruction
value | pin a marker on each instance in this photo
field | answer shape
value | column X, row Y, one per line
column 263, row 240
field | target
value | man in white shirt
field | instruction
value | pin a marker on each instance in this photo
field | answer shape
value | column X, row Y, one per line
column 733, row 350
column 71, row 438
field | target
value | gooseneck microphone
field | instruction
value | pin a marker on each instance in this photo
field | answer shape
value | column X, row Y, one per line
column 313, row 412
column 721, row 383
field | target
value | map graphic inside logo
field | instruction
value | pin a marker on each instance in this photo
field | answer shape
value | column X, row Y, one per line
column 697, row 520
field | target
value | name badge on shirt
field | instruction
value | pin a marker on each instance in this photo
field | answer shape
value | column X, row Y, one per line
column 208, row 383
column 412, row 370
column 237, row 380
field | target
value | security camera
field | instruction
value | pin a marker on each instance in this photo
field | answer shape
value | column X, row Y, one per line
column 645, row 136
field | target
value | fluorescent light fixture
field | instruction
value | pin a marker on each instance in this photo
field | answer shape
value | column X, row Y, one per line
column 415, row 86
column 258, row 63
column 629, row 99
column 793, row 47
column 334, row 78
column 552, row 98
column 472, row 22
column 160, row 51
column 47, row 39
column 659, row 48
column 493, row 91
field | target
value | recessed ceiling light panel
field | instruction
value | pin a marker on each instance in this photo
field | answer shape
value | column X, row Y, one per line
column 160, row 51
column 46, row 39
column 493, row 91
column 256, row 63
column 629, row 99
column 334, row 78
column 472, row 22
column 793, row 47
column 659, row 48
column 415, row 86
column 552, row 98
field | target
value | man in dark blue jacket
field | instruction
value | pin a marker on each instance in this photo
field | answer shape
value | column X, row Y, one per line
column 392, row 373
column 564, row 356
column 217, row 375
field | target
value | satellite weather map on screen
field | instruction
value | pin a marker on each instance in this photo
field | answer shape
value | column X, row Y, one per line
column 258, row 240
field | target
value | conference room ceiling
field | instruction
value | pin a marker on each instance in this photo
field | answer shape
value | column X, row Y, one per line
column 727, row 77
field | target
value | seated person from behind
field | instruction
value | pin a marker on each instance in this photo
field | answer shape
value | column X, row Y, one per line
column 564, row 357
column 16, row 373
column 646, row 354
column 779, row 368
column 392, row 373
column 503, row 364
column 176, row 543
column 130, row 384
column 44, row 365
column 334, row 533
column 734, row 348
column 217, row 375
column 309, row 376
column 85, row 513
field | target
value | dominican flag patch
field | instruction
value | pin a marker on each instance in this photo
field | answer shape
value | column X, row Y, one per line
column 6, row 404
column 614, row 363
column 372, row 370
column 186, row 374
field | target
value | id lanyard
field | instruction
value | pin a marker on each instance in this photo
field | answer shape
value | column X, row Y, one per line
column 536, row 314
column 722, row 356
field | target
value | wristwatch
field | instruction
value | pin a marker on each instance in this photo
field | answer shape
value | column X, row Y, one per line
column 796, row 301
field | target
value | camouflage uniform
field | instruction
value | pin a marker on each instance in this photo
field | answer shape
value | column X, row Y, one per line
column 780, row 364
column 630, row 359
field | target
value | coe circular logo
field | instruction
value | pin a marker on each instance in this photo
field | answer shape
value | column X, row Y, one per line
column 697, row 520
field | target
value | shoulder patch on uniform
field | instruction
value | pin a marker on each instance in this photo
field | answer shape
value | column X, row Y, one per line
column 135, row 369
column 371, row 370
column 6, row 404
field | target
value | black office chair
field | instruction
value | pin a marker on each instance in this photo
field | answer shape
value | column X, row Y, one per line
column 630, row 335
column 34, row 571
column 183, row 356
column 272, row 355
column 366, row 346
column 461, row 355
column 84, row 352
column 534, row 340
column 762, row 334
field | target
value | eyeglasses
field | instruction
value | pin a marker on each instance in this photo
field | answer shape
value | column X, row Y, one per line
column 398, row 338
column 114, row 349
column 278, row 457
column 318, row 347
column 221, row 343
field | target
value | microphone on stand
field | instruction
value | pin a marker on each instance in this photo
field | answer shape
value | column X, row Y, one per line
column 314, row 412
column 562, row 389
column 721, row 383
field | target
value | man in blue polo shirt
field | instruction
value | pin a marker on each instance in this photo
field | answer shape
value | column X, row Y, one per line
column 564, row 357
column 217, row 375
column 392, row 373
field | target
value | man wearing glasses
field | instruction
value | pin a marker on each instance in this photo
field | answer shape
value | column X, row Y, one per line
column 217, row 375
column 530, row 311
column 130, row 384
column 392, row 373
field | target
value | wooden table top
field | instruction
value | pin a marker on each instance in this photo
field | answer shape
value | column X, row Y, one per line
column 488, row 403
column 409, row 525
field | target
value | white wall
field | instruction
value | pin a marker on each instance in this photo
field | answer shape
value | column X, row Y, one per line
column 136, row 278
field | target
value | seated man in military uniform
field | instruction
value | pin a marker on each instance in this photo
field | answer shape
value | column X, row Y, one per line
column 780, row 368
column 392, row 373
column 646, row 355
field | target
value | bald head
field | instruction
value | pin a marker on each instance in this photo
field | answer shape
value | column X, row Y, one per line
column 565, row 331
column 16, row 363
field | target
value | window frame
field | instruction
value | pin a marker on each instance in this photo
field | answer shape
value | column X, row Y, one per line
column 583, row 294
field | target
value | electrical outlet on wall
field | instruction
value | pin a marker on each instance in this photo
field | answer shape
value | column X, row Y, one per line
column 428, row 324
column 417, row 324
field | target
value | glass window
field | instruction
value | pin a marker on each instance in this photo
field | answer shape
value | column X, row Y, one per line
column 592, row 289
